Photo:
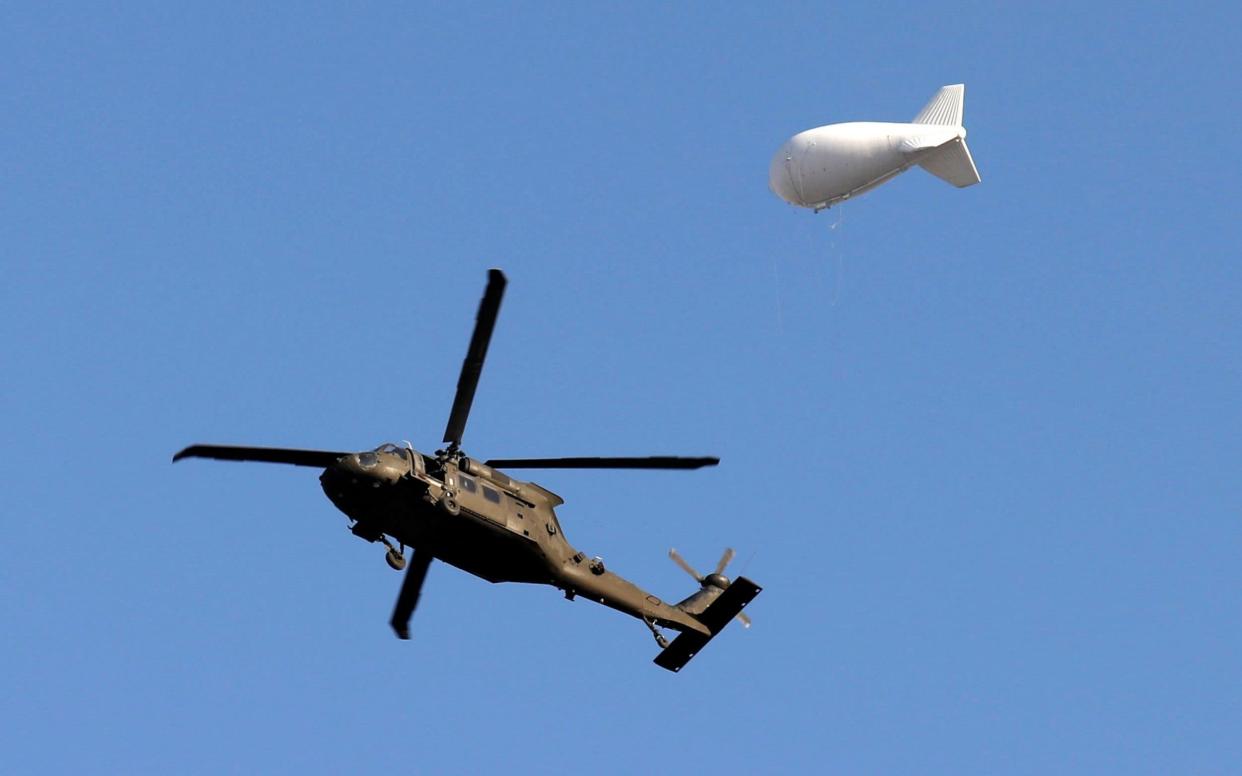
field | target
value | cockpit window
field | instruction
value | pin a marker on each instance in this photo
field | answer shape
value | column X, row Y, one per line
column 389, row 447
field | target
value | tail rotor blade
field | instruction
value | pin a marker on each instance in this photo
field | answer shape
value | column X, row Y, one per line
column 724, row 560
column 411, row 589
column 742, row 618
column 680, row 561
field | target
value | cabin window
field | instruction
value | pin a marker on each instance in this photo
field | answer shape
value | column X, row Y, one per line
column 491, row 495
column 467, row 484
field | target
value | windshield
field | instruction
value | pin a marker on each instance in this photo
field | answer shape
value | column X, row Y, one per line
column 389, row 447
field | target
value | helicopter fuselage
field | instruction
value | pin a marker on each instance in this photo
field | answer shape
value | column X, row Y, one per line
column 480, row 520
column 471, row 515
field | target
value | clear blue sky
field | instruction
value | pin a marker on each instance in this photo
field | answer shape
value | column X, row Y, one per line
column 980, row 447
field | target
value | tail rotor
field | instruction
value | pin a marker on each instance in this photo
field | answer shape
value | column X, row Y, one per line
column 716, row 579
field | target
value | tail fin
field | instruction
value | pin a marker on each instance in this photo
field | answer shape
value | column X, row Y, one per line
column 945, row 107
column 952, row 162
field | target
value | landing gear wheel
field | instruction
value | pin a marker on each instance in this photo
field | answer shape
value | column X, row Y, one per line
column 450, row 505
column 395, row 559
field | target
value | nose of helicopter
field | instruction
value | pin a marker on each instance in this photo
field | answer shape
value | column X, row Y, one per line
column 341, row 477
column 352, row 464
column 359, row 471
column 346, row 481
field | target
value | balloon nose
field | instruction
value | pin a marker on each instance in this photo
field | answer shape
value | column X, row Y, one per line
column 781, row 175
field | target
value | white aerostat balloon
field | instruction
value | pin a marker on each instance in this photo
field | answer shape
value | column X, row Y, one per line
column 823, row 166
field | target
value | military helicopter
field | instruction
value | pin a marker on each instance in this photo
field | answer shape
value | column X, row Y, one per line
column 471, row 515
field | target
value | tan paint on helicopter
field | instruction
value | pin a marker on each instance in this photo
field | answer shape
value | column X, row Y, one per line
column 471, row 515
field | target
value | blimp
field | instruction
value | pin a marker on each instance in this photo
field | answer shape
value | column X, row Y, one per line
column 827, row 165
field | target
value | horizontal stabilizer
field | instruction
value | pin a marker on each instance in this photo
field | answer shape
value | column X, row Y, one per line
column 952, row 162
column 945, row 107
column 730, row 603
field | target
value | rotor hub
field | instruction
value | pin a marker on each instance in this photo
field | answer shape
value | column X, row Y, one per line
column 716, row 580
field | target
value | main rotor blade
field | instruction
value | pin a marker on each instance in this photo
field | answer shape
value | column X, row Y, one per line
column 320, row 459
column 724, row 560
column 680, row 561
column 650, row 462
column 411, row 589
column 472, row 366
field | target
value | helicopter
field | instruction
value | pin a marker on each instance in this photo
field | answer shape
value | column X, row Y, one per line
column 469, row 514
